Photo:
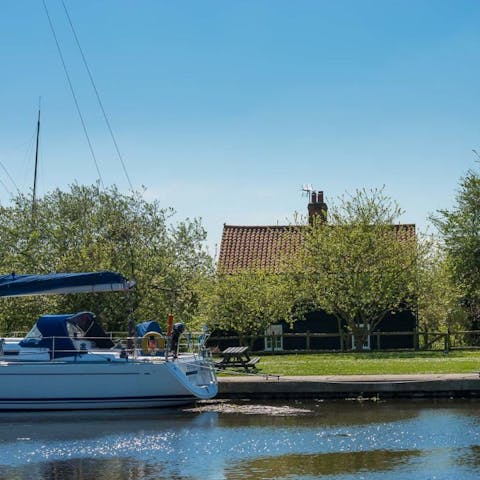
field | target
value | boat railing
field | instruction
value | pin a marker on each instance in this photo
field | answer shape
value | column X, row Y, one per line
column 126, row 346
column 32, row 346
column 194, row 342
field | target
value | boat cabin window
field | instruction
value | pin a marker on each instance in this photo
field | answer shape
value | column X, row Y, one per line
column 74, row 331
column 33, row 337
column 34, row 334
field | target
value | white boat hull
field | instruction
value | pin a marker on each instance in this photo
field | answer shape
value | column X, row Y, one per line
column 115, row 383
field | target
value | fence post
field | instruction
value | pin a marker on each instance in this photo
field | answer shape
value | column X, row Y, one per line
column 415, row 338
column 307, row 340
column 447, row 341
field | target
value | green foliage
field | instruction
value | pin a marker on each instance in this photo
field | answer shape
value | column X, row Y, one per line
column 358, row 266
column 246, row 302
column 460, row 231
column 88, row 229
column 438, row 294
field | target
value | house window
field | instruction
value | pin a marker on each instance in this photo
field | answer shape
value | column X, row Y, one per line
column 366, row 341
column 274, row 338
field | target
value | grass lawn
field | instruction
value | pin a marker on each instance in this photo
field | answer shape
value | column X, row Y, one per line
column 370, row 363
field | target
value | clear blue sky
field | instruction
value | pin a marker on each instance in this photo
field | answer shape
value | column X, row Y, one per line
column 223, row 109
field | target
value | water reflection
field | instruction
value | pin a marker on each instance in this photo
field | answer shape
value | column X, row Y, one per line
column 84, row 425
column 294, row 466
column 470, row 457
column 327, row 414
column 341, row 440
column 79, row 468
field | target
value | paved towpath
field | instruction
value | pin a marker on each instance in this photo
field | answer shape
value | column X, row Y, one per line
column 342, row 386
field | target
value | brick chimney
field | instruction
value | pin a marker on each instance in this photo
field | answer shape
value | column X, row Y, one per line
column 317, row 207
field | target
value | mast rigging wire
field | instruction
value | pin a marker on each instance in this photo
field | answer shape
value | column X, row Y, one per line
column 10, row 178
column 100, row 103
column 6, row 188
column 73, row 94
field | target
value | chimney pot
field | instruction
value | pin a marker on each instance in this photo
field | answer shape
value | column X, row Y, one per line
column 317, row 207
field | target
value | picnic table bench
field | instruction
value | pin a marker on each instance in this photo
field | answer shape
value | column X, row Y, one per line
column 237, row 357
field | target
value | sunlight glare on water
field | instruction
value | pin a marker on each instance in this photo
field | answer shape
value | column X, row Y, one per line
column 337, row 440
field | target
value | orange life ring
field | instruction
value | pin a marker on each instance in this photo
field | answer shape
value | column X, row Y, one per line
column 153, row 343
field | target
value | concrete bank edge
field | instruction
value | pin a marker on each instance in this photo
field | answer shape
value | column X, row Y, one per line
column 325, row 387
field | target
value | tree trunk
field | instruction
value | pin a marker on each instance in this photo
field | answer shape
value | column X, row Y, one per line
column 360, row 337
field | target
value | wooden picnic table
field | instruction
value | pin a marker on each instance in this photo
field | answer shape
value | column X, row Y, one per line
column 237, row 357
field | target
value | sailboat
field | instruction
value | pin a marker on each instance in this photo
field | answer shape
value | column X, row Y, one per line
column 67, row 361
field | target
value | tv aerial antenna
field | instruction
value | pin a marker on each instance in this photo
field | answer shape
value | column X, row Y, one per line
column 306, row 189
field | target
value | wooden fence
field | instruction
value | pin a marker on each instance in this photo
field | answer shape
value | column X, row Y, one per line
column 422, row 340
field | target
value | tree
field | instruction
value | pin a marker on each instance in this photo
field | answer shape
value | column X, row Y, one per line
column 88, row 229
column 246, row 302
column 460, row 232
column 360, row 265
column 438, row 294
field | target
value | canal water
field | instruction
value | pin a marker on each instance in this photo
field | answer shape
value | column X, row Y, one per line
column 247, row 440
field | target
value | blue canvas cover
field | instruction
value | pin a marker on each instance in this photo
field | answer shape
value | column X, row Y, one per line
column 52, row 326
column 92, row 329
column 145, row 327
column 59, row 283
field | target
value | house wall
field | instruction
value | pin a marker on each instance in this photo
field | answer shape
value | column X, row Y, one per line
column 322, row 322
column 405, row 321
column 314, row 322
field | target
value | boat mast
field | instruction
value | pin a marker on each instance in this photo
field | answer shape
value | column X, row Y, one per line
column 34, row 199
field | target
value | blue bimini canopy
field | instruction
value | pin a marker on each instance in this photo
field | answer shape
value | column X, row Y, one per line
column 150, row 326
column 51, row 332
column 62, row 283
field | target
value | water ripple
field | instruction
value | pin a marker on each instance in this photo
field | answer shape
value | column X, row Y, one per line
column 208, row 444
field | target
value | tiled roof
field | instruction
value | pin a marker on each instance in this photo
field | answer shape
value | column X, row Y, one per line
column 405, row 230
column 245, row 247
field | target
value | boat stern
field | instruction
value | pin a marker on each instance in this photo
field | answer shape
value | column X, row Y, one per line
column 196, row 374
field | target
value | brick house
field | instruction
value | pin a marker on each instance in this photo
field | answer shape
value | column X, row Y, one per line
column 244, row 247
